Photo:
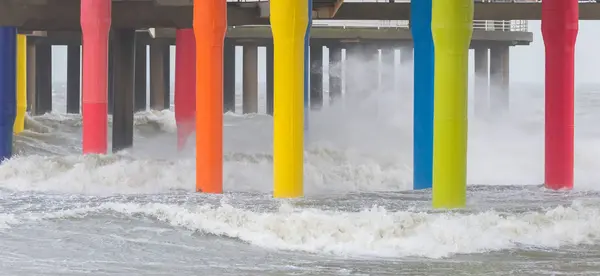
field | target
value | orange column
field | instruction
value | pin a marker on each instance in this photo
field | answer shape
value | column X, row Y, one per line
column 210, row 25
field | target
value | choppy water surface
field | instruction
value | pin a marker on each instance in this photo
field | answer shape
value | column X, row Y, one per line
column 135, row 213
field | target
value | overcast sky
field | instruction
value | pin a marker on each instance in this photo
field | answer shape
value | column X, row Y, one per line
column 526, row 62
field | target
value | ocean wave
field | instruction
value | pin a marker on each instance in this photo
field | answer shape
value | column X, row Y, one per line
column 373, row 232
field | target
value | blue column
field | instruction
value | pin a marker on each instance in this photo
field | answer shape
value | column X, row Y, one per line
column 423, row 93
column 307, row 70
column 8, row 88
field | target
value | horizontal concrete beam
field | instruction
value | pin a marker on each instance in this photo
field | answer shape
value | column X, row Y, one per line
column 361, row 33
column 483, row 11
column 331, row 35
column 374, row 34
column 64, row 15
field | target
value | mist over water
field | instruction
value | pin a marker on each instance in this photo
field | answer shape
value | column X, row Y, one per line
column 137, row 210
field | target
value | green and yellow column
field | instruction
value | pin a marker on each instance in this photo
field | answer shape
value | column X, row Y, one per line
column 452, row 28
column 19, row 125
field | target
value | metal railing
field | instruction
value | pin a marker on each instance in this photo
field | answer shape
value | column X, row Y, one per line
column 486, row 25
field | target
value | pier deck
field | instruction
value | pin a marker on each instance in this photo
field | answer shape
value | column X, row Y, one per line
column 64, row 14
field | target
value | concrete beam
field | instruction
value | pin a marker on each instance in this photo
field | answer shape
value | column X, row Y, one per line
column 369, row 34
column 483, row 11
column 326, row 34
column 64, row 15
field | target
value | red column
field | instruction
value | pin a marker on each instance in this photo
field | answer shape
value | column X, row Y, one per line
column 559, row 29
column 185, row 84
column 95, row 26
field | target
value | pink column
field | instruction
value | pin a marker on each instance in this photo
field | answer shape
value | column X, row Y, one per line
column 185, row 84
column 95, row 26
column 559, row 28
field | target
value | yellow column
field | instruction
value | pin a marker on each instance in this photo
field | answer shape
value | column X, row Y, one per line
column 289, row 24
column 19, row 125
column 452, row 28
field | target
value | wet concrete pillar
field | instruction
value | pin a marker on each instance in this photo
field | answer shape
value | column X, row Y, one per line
column 353, row 71
column 481, row 81
column 43, row 98
column 229, row 75
column 73, row 78
column 250, row 79
column 111, row 76
column 335, row 74
column 498, row 94
column 140, row 72
column 316, row 76
column 372, row 67
column 405, row 77
column 157, row 75
column 123, row 86
column 506, row 75
column 406, row 55
column 388, row 69
column 270, row 77
column 167, row 76
column 31, row 75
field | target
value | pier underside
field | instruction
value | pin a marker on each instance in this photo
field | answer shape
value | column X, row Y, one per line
column 64, row 14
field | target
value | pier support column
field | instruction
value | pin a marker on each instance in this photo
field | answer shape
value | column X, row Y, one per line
column 498, row 95
column 406, row 55
column 353, row 73
column 95, row 27
column 31, row 75
column 229, row 75
column 44, row 78
column 452, row 34
column 141, row 74
column 21, row 85
column 406, row 65
column 123, row 87
column 388, row 69
column 481, row 81
column 210, row 26
column 335, row 74
column 316, row 76
column 423, row 87
column 270, row 77
column 111, row 76
column 559, row 29
column 371, row 70
column 506, row 75
column 185, row 85
column 73, row 78
column 250, row 79
column 8, row 89
column 167, row 76
column 290, row 24
column 158, row 83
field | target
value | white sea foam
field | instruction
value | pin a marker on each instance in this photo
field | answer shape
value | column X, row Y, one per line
column 347, row 150
column 373, row 232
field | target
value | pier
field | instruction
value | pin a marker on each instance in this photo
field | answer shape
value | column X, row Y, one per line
column 121, row 34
